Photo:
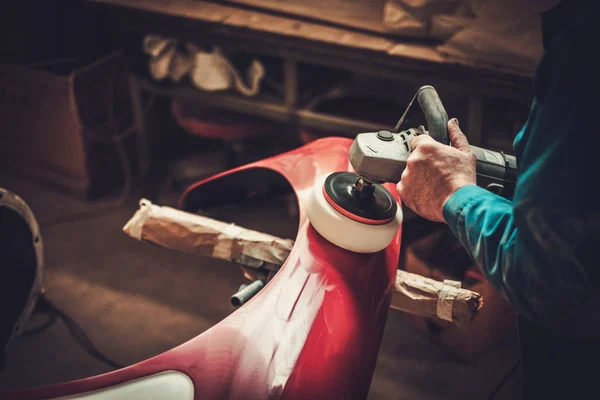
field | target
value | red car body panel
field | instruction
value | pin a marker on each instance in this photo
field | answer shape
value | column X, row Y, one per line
column 313, row 332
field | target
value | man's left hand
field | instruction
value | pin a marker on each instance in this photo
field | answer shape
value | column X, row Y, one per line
column 434, row 171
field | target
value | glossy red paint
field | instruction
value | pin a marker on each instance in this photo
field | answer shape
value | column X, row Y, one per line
column 313, row 332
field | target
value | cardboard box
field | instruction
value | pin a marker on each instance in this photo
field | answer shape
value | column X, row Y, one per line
column 56, row 123
column 495, row 320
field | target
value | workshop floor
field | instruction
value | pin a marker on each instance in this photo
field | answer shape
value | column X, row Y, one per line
column 135, row 301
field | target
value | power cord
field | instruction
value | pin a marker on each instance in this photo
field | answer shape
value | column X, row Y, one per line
column 44, row 305
column 49, row 323
column 504, row 379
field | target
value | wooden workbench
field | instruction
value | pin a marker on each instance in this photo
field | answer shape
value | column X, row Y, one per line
column 297, row 40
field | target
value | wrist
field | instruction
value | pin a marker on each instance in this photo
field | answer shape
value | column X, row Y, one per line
column 458, row 200
column 457, row 185
column 455, row 188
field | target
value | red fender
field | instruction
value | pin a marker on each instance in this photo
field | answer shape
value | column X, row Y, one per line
column 313, row 332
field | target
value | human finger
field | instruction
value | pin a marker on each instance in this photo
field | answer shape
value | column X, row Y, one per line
column 458, row 139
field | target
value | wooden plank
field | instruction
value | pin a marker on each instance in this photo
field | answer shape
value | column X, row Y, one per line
column 312, row 43
column 310, row 36
column 429, row 53
column 309, row 31
column 416, row 51
column 199, row 10
column 256, row 21
column 365, row 15
column 290, row 27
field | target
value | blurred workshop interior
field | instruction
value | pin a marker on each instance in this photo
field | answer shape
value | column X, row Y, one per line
column 107, row 102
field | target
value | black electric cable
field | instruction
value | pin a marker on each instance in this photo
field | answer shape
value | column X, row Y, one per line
column 49, row 323
column 82, row 338
column 504, row 379
column 45, row 305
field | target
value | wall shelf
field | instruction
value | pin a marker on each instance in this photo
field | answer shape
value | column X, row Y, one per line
column 295, row 42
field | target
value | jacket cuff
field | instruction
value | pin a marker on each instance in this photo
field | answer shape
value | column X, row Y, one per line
column 456, row 204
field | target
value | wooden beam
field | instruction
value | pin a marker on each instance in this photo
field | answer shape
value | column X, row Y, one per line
column 361, row 15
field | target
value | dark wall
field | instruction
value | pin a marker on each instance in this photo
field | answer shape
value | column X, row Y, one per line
column 40, row 30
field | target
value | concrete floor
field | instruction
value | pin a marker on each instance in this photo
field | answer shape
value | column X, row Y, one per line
column 135, row 301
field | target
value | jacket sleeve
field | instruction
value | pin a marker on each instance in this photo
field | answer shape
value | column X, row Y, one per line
column 538, row 250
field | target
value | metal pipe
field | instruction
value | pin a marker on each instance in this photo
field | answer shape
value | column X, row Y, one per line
column 246, row 292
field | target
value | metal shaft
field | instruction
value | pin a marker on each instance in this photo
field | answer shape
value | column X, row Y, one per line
column 363, row 186
column 246, row 292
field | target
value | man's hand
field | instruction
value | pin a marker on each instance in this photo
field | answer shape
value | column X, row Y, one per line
column 434, row 171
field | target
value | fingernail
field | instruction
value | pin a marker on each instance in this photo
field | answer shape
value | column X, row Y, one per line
column 455, row 121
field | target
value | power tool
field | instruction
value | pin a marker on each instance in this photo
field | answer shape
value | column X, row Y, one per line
column 355, row 212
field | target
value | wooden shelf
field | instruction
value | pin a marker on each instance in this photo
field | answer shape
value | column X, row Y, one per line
column 297, row 41
column 261, row 106
column 366, row 53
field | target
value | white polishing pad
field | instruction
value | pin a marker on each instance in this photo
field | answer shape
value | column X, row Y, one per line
column 344, row 232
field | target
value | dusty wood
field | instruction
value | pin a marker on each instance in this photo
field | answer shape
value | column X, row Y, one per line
column 203, row 11
column 370, row 54
column 195, row 234
column 305, row 30
column 361, row 14
column 444, row 26
column 256, row 21
column 199, row 10
column 417, row 52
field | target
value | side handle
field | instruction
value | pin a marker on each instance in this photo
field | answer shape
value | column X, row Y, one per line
column 435, row 113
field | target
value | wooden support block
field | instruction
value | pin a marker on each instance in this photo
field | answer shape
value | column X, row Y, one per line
column 195, row 234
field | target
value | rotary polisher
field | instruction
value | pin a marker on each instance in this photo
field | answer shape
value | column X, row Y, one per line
column 355, row 212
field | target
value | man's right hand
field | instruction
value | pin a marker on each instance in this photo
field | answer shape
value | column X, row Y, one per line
column 434, row 171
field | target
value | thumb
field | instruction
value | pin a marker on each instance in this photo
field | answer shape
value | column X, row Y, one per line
column 458, row 139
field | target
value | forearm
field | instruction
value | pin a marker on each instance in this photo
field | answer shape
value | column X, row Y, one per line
column 483, row 223
column 515, row 256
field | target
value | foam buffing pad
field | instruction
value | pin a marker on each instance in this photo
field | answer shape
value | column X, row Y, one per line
column 353, row 221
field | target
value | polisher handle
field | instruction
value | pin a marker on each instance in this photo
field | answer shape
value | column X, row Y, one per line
column 435, row 113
